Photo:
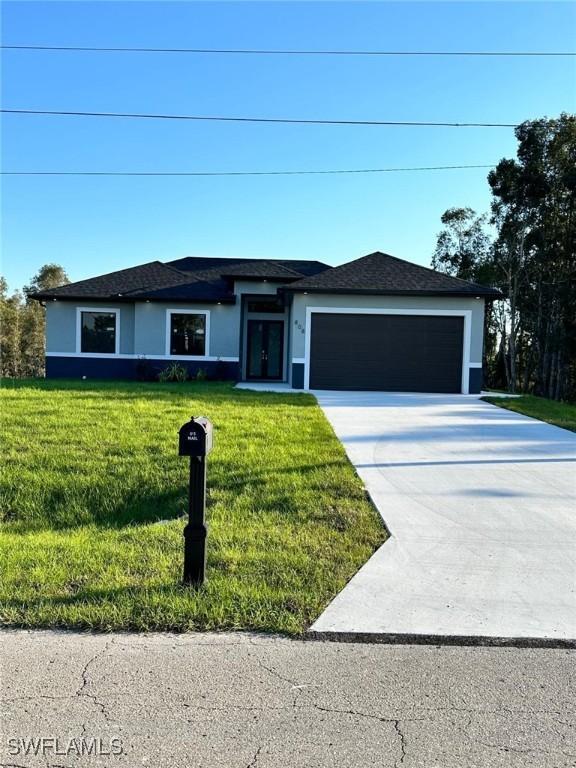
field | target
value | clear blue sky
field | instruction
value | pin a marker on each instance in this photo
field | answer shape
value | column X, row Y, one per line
column 96, row 225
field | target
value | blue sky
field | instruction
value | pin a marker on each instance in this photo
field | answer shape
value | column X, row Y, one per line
column 96, row 225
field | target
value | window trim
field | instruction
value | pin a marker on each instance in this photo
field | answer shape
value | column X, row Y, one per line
column 101, row 310
column 206, row 313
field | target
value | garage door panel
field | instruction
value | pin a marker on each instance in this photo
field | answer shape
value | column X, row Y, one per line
column 410, row 353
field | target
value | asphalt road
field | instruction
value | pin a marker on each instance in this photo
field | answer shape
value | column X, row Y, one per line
column 247, row 701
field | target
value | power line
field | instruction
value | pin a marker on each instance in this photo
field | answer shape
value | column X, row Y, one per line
column 239, row 173
column 141, row 116
column 273, row 52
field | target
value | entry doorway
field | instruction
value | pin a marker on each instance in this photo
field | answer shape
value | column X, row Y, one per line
column 265, row 350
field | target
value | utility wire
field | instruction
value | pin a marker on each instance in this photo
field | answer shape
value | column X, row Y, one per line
column 299, row 121
column 238, row 173
column 272, row 52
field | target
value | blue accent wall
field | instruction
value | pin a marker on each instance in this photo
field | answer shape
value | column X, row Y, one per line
column 297, row 375
column 131, row 368
column 475, row 380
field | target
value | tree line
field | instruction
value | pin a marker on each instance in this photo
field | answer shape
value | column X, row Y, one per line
column 525, row 246
column 22, row 324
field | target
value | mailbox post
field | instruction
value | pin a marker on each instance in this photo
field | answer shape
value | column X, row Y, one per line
column 195, row 440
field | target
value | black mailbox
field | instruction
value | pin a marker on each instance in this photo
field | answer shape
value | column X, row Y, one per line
column 195, row 440
column 195, row 437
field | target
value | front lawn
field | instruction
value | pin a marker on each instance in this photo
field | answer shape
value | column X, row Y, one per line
column 559, row 414
column 93, row 495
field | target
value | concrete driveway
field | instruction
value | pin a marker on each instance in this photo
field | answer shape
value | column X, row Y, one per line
column 481, row 506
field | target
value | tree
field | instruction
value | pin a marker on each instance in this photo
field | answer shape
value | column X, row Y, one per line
column 10, row 331
column 22, row 324
column 49, row 276
column 464, row 250
column 463, row 246
column 533, row 209
column 532, row 259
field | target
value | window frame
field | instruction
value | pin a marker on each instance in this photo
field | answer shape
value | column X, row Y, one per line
column 103, row 311
column 172, row 311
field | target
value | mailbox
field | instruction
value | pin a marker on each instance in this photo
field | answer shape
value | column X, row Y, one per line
column 195, row 440
column 195, row 437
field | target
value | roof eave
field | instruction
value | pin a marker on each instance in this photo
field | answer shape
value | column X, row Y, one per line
column 133, row 299
column 482, row 293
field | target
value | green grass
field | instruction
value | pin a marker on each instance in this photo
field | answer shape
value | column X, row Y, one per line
column 93, row 496
column 560, row 414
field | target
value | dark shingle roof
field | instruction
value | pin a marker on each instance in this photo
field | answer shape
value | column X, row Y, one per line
column 380, row 273
column 124, row 283
column 189, row 279
column 249, row 268
column 210, row 280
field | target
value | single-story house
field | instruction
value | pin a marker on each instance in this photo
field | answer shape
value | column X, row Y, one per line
column 375, row 323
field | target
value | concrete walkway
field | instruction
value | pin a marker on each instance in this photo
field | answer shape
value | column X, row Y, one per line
column 248, row 701
column 481, row 505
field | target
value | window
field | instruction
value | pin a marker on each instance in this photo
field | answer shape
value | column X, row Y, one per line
column 267, row 305
column 98, row 331
column 187, row 334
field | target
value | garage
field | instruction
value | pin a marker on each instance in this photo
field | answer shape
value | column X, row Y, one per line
column 387, row 352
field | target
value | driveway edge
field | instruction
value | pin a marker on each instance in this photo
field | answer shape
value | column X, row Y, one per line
column 463, row 640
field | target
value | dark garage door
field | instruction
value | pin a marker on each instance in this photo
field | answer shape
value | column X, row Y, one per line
column 394, row 353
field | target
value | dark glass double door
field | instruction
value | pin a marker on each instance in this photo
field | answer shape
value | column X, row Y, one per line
column 265, row 349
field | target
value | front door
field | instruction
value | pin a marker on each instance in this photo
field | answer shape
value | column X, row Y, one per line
column 265, row 347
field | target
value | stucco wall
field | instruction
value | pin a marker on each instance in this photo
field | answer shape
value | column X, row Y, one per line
column 151, row 320
column 61, row 325
column 301, row 302
column 143, row 327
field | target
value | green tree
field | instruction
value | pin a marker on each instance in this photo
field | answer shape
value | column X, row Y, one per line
column 49, row 276
column 463, row 247
column 10, row 331
column 532, row 335
column 535, row 252
column 22, row 324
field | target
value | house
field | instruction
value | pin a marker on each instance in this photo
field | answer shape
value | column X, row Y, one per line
column 375, row 323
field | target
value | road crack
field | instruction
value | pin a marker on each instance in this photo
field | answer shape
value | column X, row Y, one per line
column 81, row 692
column 252, row 763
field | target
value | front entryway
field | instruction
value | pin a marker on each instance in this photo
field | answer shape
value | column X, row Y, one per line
column 265, row 349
